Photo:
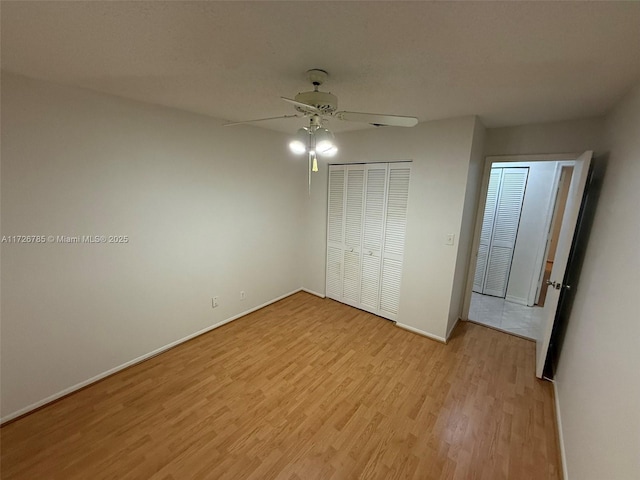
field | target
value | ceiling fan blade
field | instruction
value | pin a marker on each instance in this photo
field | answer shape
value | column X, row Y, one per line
column 377, row 119
column 304, row 106
column 231, row 124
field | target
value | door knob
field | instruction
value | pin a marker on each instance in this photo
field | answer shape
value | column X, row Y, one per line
column 558, row 285
column 555, row 285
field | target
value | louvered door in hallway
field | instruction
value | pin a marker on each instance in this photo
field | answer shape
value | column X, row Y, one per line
column 499, row 230
column 367, row 216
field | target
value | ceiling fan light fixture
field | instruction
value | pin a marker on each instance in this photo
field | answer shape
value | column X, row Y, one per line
column 331, row 152
column 325, row 142
column 314, row 140
column 299, row 144
column 297, row 147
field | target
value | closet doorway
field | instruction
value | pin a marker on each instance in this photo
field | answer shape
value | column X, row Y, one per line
column 367, row 218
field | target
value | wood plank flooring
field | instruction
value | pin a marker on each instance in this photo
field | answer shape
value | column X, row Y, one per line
column 306, row 388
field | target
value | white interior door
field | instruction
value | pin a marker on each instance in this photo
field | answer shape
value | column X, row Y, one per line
column 574, row 199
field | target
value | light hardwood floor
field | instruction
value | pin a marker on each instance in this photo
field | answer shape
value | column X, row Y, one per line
column 303, row 389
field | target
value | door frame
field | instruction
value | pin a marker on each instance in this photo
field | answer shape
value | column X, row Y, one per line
column 488, row 162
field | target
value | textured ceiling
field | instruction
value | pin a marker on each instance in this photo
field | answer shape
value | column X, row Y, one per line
column 509, row 62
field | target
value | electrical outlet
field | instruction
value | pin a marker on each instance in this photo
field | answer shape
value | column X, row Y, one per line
column 243, row 295
column 214, row 302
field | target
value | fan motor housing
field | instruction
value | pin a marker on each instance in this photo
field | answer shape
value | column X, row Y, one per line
column 323, row 101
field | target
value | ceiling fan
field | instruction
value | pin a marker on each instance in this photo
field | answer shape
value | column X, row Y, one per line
column 315, row 139
column 319, row 104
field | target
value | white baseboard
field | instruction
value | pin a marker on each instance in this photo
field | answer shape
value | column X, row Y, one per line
column 451, row 329
column 518, row 300
column 313, row 293
column 421, row 332
column 139, row 359
column 563, row 456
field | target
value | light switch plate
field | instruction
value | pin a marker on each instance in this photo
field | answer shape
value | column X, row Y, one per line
column 450, row 238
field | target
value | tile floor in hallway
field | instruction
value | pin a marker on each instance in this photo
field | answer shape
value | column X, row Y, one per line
column 511, row 317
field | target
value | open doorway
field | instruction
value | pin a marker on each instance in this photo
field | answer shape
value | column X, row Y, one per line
column 523, row 211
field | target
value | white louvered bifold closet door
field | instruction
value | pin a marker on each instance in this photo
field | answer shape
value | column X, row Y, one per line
column 353, row 234
column 376, row 175
column 365, row 251
column 487, row 229
column 335, row 231
column 508, row 208
column 394, row 236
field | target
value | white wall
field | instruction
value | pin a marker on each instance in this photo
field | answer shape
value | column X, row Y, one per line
column 314, row 243
column 441, row 153
column 598, row 379
column 530, row 242
column 572, row 136
column 465, row 241
column 208, row 210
